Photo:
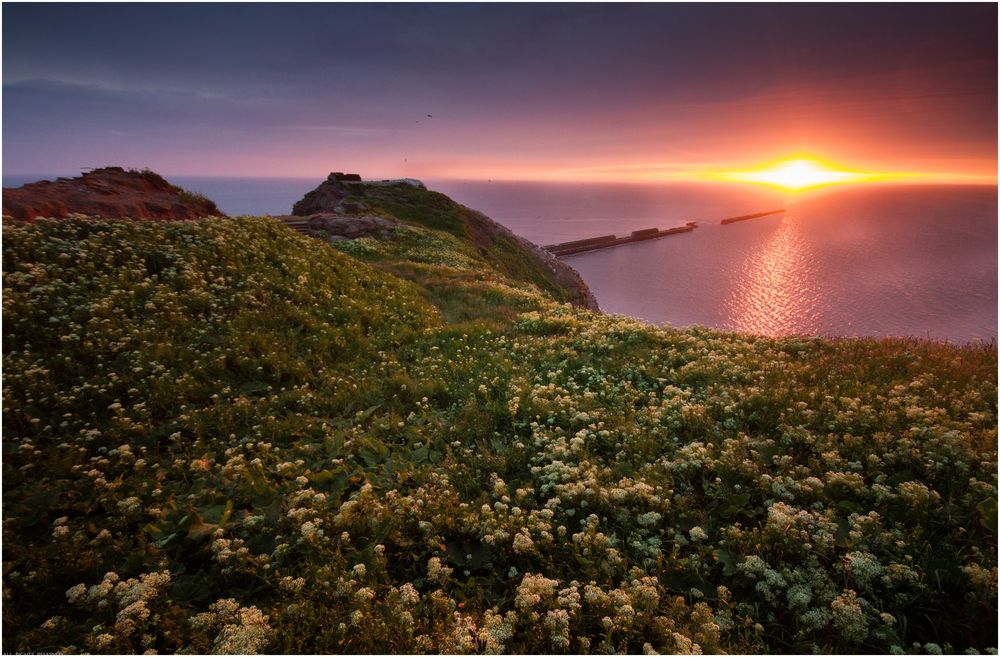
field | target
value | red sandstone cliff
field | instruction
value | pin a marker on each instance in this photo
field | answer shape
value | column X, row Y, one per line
column 110, row 192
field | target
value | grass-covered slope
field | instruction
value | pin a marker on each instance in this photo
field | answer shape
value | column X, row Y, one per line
column 501, row 251
column 221, row 436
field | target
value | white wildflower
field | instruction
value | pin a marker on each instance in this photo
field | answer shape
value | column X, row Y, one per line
column 523, row 542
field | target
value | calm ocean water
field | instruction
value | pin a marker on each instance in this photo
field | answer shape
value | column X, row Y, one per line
column 852, row 261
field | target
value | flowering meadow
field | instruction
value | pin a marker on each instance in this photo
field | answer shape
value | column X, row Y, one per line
column 221, row 436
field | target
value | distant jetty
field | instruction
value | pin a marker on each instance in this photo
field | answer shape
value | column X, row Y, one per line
column 744, row 217
column 606, row 241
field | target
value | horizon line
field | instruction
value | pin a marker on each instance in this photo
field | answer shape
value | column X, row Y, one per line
column 924, row 179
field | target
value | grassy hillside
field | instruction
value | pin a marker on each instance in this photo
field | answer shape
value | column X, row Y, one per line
column 500, row 251
column 222, row 436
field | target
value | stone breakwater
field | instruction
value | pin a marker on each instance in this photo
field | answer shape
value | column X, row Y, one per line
column 606, row 241
column 755, row 215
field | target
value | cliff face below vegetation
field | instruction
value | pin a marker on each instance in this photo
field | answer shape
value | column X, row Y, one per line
column 410, row 202
column 110, row 192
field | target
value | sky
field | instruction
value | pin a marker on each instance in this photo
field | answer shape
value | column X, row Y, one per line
column 586, row 92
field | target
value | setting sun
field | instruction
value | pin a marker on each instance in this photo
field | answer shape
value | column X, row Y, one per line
column 798, row 174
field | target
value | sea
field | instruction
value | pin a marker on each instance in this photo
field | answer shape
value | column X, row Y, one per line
column 865, row 260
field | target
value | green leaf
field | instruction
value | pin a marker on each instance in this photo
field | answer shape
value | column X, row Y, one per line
column 728, row 561
column 843, row 531
column 201, row 530
column 320, row 477
column 168, row 541
column 624, row 469
column 367, row 413
column 736, row 504
column 154, row 531
column 271, row 511
column 217, row 514
column 988, row 514
column 369, row 456
column 261, row 487
column 847, row 506
column 253, row 387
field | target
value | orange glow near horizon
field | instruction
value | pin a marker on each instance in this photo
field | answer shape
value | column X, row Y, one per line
column 801, row 174
column 795, row 173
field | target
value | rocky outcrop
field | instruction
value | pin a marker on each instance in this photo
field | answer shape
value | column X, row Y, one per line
column 328, row 197
column 345, row 193
column 335, row 227
column 110, row 192
column 350, row 228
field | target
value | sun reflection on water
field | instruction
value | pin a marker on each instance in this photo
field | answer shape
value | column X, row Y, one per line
column 775, row 292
